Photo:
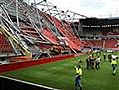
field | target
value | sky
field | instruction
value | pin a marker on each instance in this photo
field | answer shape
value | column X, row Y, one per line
column 90, row 8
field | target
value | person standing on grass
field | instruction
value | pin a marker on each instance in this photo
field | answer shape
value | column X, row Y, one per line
column 88, row 63
column 114, row 66
column 109, row 57
column 78, row 77
column 92, row 62
column 104, row 56
column 97, row 63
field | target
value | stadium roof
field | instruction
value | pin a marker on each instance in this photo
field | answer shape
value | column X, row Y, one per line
column 100, row 21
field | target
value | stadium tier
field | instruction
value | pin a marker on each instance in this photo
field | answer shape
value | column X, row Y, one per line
column 35, row 33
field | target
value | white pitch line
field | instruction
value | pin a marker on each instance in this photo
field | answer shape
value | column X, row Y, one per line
column 29, row 83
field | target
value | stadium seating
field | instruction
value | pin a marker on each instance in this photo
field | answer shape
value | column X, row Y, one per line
column 49, row 35
column 70, row 38
column 29, row 31
column 110, row 43
column 106, row 43
column 5, row 46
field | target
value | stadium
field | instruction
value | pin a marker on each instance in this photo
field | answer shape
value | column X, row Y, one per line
column 40, row 45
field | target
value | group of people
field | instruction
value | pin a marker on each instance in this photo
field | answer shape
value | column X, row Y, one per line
column 93, row 63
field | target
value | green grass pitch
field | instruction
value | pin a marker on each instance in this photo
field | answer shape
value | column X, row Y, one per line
column 61, row 75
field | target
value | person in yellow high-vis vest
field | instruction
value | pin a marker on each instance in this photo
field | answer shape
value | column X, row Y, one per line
column 114, row 66
column 78, row 71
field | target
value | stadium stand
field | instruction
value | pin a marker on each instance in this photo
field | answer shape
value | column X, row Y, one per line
column 39, row 33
